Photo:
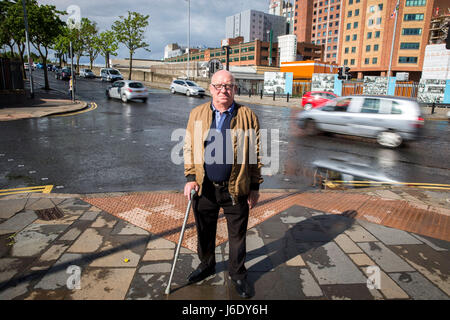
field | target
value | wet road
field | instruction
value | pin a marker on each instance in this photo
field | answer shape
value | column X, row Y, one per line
column 128, row 147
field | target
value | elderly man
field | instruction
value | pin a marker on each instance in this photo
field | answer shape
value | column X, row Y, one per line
column 222, row 163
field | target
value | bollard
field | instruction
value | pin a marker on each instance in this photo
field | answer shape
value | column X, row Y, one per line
column 250, row 93
column 287, row 97
column 432, row 108
column 274, row 96
column 239, row 91
column 261, row 94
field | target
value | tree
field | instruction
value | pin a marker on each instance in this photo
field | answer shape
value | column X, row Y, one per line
column 107, row 45
column 62, row 44
column 5, row 36
column 45, row 26
column 130, row 32
column 89, row 38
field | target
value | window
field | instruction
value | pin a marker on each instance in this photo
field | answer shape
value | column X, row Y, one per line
column 356, row 12
column 377, row 34
column 366, row 61
column 349, row 14
column 368, row 48
column 346, row 50
column 411, row 31
column 352, row 62
column 374, row 60
column 396, row 108
column 370, row 105
column 410, row 45
column 355, row 37
column 347, row 38
column 375, row 47
column 353, row 49
column 407, row 59
column 345, row 62
column 369, row 35
column 413, row 17
column 349, row 26
column 415, row 3
column 355, row 25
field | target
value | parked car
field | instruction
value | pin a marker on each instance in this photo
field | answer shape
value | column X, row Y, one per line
column 87, row 73
column 39, row 65
column 127, row 90
column 314, row 99
column 110, row 74
column 186, row 87
column 26, row 66
column 63, row 74
column 49, row 67
column 56, row 68
column 391, row 120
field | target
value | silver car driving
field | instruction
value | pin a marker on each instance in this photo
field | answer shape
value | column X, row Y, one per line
column 391, row 120
column 127, row 90
column 187, row 87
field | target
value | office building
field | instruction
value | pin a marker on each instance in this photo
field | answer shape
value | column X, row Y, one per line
column 255, row 25
column 318, row 21
column 367, row 33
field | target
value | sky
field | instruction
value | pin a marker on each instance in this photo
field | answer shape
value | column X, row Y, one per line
column 168, row 21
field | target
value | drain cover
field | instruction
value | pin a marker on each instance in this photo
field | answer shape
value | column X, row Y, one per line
column 49, row 214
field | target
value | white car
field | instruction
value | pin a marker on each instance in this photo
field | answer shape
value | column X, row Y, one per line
column 187, row 87
column 127, row 90
column 110, row 74
column 87, row 73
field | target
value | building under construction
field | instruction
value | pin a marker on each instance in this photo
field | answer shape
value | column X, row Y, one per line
column 439, row 29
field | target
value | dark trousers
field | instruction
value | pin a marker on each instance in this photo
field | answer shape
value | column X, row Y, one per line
column 206, row 211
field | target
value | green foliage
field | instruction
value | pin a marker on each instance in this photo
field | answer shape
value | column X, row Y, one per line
column 130, row 31
column 106, row 43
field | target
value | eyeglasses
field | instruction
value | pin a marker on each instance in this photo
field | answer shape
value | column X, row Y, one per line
column 227, row 86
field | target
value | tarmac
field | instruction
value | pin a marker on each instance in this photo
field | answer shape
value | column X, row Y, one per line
column 384, row 243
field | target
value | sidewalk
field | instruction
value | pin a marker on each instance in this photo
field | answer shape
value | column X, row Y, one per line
column 321, row 245
column 15, row 107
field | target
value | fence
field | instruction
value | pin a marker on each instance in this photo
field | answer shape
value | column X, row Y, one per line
column 352, row 87
column 299, row 88
column 11, row 77
column 407, row 89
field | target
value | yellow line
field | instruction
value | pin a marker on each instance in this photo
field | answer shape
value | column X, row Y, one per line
column 408, row 183
column 93, row 107
column 43, row 189
column 25, row 188
column 374, row 183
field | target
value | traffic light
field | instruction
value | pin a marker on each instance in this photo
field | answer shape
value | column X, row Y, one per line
column 347, row 73
column 340, row 74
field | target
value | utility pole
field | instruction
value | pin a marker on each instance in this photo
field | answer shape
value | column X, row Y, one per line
column 30, row 67
column 393, row 37
column 72, row 76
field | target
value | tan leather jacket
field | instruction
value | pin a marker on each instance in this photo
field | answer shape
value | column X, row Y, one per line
column 246, row 168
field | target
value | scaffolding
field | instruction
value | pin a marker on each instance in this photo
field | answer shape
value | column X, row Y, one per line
column 439, row 29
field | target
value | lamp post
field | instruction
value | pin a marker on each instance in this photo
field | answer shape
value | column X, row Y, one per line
column 189, row 39
column 393, row 37
column 30, row 67
column 227, row 48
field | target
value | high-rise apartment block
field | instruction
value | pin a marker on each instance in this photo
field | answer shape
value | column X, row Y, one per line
column 253, row 25
column 360, row 33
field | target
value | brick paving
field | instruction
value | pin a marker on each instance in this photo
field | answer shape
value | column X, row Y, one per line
column 374, row 244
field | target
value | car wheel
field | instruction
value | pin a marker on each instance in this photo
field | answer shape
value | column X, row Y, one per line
column 311, row 128
column 107, row 95
column 188, row 93
column 172, row 90
column 308, row 106
column 389, row 139
column 124, row 98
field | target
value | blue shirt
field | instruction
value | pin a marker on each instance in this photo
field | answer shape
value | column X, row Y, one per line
column 220, row 118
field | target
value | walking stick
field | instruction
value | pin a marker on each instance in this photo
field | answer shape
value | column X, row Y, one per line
column 179, row 242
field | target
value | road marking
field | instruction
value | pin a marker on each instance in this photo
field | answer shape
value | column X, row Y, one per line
column 334, row 183
column 43, row 189
column 93, row 106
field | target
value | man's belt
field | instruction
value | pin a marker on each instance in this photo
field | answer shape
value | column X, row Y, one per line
column 220, row 183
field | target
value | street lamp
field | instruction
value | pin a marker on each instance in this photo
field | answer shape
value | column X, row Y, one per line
column 189, row 38
column 25, row 18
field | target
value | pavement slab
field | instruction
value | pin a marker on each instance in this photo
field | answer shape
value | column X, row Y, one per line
column 330, row 265
column 385, row 258
column 389, row 236
column 18, row 222
column 10, row 207
column 89, row 241
column 309, row 286
column 417, row 286
column 387, row 286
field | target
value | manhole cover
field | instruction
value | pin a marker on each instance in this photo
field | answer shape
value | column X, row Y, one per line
column 49, row 214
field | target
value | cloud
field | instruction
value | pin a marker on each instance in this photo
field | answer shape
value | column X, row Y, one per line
column 168, row 21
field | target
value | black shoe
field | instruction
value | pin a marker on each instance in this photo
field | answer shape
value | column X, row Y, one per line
column 243, row 288
column 201, row 273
